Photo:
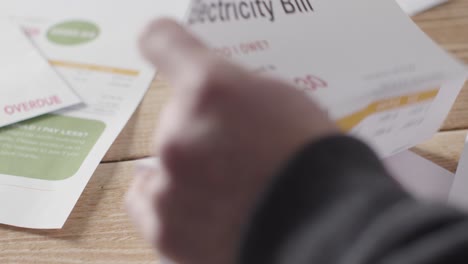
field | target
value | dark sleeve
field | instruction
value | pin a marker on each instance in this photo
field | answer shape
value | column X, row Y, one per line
column 335, row 203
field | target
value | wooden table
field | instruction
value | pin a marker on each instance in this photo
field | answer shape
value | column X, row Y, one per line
column 98, row 230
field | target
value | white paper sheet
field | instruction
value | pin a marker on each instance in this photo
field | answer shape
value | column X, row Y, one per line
column 420, row 177
column 413, row 7
column 29, row 87
column 376, row 73
column 459, row 193
column 428, row 181
column 93, row 45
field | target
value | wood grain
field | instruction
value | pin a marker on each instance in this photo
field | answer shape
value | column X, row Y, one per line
column 458, row 117
column 447, row 25
column 444, row 149
column 98, row 230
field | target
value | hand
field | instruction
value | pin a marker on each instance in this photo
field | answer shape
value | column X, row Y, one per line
column 224, row 135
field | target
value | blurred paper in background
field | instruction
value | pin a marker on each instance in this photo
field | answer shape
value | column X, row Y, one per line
column 459, row 193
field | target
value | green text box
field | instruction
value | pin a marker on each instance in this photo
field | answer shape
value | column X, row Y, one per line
column 50, row 147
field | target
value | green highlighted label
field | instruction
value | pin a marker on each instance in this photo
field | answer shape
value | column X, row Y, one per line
column 73, row 32
column 49, row 147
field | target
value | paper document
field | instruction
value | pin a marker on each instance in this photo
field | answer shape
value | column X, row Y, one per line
column 375, row 72
column 428, row 181
column 29, row 87
column 459, row 192
column 421, row 177
column 413, row 7
column 45, row 163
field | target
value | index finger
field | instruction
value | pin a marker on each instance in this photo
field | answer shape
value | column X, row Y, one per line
column 172, row 49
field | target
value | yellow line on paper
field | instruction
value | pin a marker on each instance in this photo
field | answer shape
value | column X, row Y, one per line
column 93, row 67
column 349, row 122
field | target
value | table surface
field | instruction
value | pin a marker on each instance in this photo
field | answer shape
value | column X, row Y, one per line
column 98, row 230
